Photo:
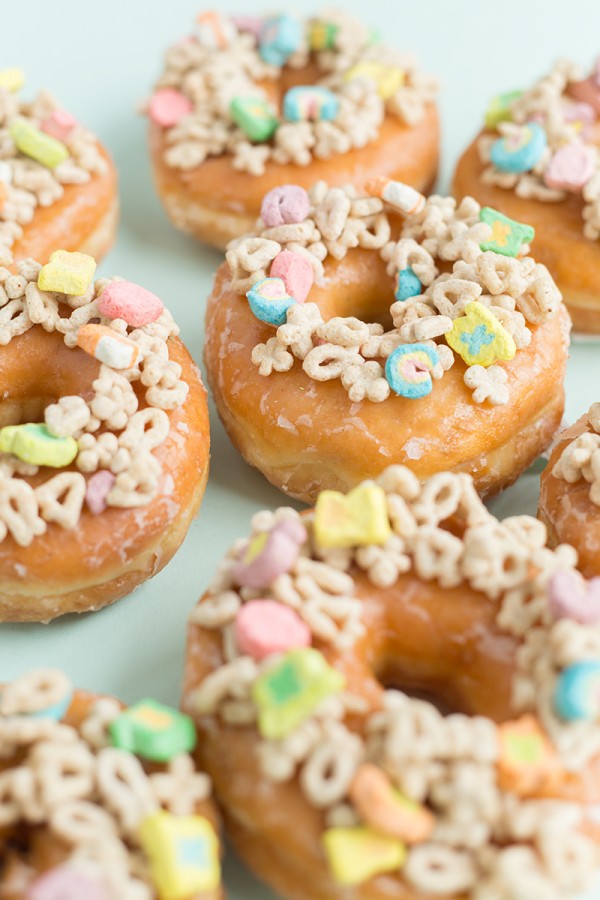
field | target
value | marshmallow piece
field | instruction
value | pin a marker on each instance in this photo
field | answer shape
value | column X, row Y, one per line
column 408, row 370
column 263, row 627
column 183, row 853
column 39, row 693
column 255, row 117
column 520, row 150
column 527, row 760
column 570, row 168
column 250, row 24
column 388, row 79
column 310, row 104
column 387, row 810
column 12, row 79
column 128, row 301
column 67, row 273
column 269, row 554
column 65, row 882
column 59, row 124
column 357, row 854
column 508, row 236
column 571, row 597
column 35, row 445
column 479, row 338
column 167, row 106
column 401, row 197
column 499, row 108
column 359, row 518
column 289, row 691
column 108, row 347
column 296, row 273
column 407, row 284
column 280, row 37
column 322, row 34
column 34, row 143
column 98, row 487
column 269, row 301
column 214, row 31
column 285, row 205
column 153, row 731
column 577, row 692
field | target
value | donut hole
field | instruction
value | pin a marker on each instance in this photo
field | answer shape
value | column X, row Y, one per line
column 393, row 677
column 357, row 285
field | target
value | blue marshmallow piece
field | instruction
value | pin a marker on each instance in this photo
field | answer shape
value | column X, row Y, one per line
column 408, row 370
column 269, row 301
column 577, row 692
column 520, row 150
column 407, row 284
column 280, row 37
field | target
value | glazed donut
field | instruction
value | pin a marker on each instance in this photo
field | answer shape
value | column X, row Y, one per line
column 245, row 105
column 58, row 185
column 536, row 160
column 570, row 491
column 360, row 396
column 98, row 800
column 315, row 662
column 104, row 438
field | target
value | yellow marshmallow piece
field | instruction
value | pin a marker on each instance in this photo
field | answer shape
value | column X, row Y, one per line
column 387, row 78
column 12, row 79
column 183, row 852
column 357, row 854
column 67, row 273
column 358, row 518
column 479, row 338
column 34, row 444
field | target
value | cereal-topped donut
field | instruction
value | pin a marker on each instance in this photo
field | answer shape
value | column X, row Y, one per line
column 570, row 494
column 99, row 801
column 537, row 160
column 316, row 665
column 245, row 104
column 104, row 438
column 58, row 185
column 385, row 328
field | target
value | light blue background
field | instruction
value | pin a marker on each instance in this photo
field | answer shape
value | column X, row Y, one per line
column 100, row 60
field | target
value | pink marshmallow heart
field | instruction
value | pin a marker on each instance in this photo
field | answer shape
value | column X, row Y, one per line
column 97, row 489
column 66, row 883
column 128, row 301
column 570, row 168
column 59, row 124
column 263, row 627
column 168, row 106
column 251, row 24
column 268, row 555
column 285, row 205
column 296, row 272
column 570, row 596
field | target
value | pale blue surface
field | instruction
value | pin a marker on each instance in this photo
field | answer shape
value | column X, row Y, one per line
column 101, row 61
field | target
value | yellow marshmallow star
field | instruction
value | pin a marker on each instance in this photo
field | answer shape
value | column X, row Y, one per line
column 479, row 338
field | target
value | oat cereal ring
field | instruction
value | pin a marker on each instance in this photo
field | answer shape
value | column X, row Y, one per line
column 103, row 438
column 243, row 106
column 68, row 830
column 537, row 160
column 323, row 654
column 429, row 350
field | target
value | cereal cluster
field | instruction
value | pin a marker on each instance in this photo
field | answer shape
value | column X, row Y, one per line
column 450, row 804
column 544, row 150
column 581, row 457
column 42, row 149
column 109, row 436
column 214, row 94
column 98, row 801
column 480, row 310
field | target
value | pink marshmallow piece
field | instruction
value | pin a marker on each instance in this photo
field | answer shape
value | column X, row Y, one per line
column 285, row 205
column 168, row 106
column 294, row 529
column 98, row 488
column 571, row 597
column 296, row 271
column 277, row 557
column 131, row 302
column 250, row 24
column 570, row 168
column 66, row 883
column 59, row 124
column 263, row 627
